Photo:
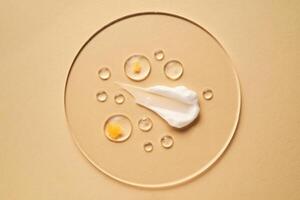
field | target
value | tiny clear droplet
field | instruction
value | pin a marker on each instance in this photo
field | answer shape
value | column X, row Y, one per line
column 119, row 98
column 148, row 147
column 208, row 94
column 159, row 55
column 173, row 69
column 145, row 124
column 101, row 96
column 104, row 73
column 167, row 141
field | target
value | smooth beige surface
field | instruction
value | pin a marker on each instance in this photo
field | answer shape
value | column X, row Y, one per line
column 38, row 43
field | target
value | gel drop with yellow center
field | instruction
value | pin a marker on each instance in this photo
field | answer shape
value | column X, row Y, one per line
column 137, row 67
column 117, row 128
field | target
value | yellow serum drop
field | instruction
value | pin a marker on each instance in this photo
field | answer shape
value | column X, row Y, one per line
column 117, row 128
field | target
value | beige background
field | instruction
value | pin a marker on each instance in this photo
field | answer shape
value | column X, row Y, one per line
column 38, row 159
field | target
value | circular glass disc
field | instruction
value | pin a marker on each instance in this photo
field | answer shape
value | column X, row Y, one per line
column 135, row 39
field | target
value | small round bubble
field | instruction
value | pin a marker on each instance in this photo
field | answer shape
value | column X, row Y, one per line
column 159, row 55
column 167, row 141
column 173, row 70
column 104, row 73
column 119, row 98
column 148, row 147
column 101, row 96
column 145, row 124
column 208, row 94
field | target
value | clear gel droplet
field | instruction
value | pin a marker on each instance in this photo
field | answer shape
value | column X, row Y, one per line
column 104, row 73
column 167, row 141
column 173, row 69
column 145, row 124
column 137, row 67
column 119, row 98
column 118, row 128
column 101, row 96
column 208, row 94
column 148, row 147
column 159, row 55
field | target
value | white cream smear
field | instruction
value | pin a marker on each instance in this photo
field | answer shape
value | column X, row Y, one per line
column 178, row 106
